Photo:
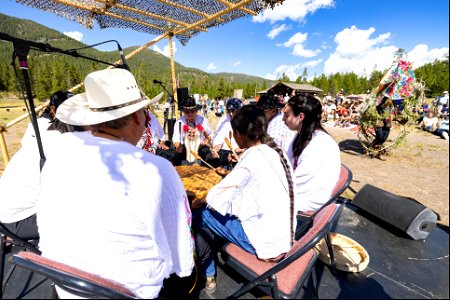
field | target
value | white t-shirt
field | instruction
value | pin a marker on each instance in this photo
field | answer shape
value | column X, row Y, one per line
column 257, row 192
column 115, row 210
column 430, row 121
column 317, row 171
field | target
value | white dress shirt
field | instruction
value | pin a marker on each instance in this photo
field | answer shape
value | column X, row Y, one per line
column 179, row 134
column 222, row 132
column 256, row 191
column 280, row 133
column 112, row 209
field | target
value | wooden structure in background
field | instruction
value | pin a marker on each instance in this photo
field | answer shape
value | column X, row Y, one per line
column 182, row 19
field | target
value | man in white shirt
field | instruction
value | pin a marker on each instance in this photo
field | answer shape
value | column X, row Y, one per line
column 106, row 206
column 153, row 137
column 20, row 183
column 280, row 133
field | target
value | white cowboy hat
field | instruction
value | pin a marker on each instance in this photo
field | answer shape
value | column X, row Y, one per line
column 154, row 100
column 110, row 95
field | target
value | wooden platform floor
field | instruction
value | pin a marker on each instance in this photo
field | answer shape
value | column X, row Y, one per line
column 399, row 268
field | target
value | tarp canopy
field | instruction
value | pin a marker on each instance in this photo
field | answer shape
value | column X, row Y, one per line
column 180, row 18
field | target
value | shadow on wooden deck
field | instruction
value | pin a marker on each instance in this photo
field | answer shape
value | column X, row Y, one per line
column 399, row 267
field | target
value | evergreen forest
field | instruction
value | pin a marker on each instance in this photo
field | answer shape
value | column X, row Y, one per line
column 50, row 71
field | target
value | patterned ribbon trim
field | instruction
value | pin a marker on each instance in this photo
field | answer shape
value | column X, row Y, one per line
column 100, row 109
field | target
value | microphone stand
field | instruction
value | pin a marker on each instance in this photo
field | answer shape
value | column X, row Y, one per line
column 22, row 50
column 171, row 121
column 47, row 48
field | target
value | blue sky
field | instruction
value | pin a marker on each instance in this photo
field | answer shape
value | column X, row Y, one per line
column 324, row 36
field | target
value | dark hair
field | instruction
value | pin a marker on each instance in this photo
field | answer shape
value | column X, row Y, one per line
column 269, row 101
column 312, row 109
column 55, row 100
column 63, row 127
column 251, row 121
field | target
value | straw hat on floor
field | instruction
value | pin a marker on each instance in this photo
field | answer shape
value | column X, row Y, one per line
column 349, row 255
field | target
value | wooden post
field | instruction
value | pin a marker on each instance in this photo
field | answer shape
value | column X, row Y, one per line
column 3, row 146
column 172, row 72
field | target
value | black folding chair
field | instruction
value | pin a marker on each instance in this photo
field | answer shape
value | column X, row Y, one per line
column 344, row 180
column 73, row 280
column 8, row 240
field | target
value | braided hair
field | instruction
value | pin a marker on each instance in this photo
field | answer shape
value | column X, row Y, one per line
column 311, row 107
column 251, row 121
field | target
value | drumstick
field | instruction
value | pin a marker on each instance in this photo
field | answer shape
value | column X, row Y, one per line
column 199, row 158
column 227, row 141
column 207, row 137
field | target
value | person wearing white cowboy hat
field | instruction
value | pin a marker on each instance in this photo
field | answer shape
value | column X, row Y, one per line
column 191, row 127
column 99, row 189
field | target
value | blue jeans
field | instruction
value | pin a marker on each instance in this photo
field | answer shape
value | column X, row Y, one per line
column 227, row 227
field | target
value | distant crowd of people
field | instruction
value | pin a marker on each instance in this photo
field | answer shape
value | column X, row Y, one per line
column 109, row 181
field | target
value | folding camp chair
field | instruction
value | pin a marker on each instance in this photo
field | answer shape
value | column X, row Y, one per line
column 9, row 239
column 285, row 278
column 73, row 280
column 344, row 180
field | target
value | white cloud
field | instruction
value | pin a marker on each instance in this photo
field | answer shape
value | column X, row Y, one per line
column 76, row 35
column 357, row 52
column 420, row 55
column 354, row 42
column 296, row 41
column 297, row 38
column 166, row 49
column 292, row 71
column 237, row 63
column 211, row 67
column 302, row 52
column 296, row 10
column 277, row 30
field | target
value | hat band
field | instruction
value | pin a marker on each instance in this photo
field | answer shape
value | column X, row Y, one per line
column 190, row 107
column 108, row 108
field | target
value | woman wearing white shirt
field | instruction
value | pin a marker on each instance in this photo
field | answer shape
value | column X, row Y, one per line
column 253, row 206
column 313, row 153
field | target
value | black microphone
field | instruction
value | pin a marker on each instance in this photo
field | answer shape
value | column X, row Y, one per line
column 122, row 56
column 157, row 81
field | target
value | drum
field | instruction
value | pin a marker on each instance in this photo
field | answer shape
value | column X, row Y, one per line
column 197, row 180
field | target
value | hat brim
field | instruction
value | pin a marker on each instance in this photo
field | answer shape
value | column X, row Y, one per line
column 75, row 111
column 195, row 108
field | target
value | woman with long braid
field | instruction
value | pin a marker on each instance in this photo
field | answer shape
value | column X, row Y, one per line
column 313, row 153
column 253, row 206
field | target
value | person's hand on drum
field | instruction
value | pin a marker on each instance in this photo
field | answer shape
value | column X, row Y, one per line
column 163, row 146
column 178, row 147
column 214, row 153
column 197, row 203
column 222, row 171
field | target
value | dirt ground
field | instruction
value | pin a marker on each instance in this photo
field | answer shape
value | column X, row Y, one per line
column 419, row 168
